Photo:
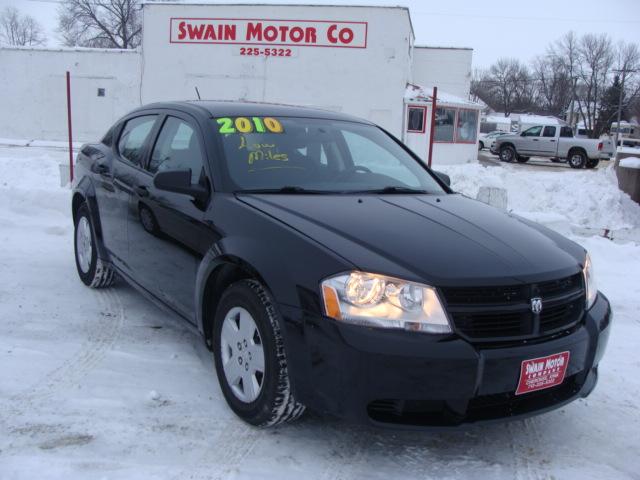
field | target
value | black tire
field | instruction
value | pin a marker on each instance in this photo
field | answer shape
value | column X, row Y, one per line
column 97, row 274
column 508, row 153
column 522, row 159
column 577, row 159
column 480, row 145
column 275, row 403
column 592, row 163
column 148, row 220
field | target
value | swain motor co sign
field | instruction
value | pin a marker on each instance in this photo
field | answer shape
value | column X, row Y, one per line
column 302, row 33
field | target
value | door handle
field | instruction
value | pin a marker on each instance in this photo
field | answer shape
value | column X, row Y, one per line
column 142, row 191
column 553, row 140
column 536, row 140
column 102, row 169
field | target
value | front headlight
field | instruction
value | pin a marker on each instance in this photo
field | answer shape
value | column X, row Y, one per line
column 378, row 301
column 589, row 282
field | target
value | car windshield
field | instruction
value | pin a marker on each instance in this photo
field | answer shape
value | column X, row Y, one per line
column 298, row 155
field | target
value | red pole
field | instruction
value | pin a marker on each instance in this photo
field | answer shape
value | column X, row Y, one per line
column 433, row 123
column 69, row 126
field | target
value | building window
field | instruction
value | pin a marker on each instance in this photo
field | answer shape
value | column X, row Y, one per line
column 101, row 92
column 445, row 121
column 467, row 126
column 416, row 119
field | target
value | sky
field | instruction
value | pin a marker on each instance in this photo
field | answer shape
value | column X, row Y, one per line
column 493, row 28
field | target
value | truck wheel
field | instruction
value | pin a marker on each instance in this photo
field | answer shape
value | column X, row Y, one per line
column 250, row 357
column 592, row 163
column 522, row 159
column 507, row 153
column 577, row 159
column 480, row 145
column 92, row 271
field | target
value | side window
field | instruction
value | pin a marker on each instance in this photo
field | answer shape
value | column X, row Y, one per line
column 566, row 132
column 177, row 148
column 445, row 118
column 549, row 132
column 532, row 132
column 467, row 126
column 133, row 138
column 416, row 120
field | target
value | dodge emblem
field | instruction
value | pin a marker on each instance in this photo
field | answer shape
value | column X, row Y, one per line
column 536, row 305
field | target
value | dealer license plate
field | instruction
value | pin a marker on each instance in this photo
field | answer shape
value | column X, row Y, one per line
column 544, row 372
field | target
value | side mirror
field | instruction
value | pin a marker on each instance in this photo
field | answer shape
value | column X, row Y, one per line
column 179, row 181
column 444, row 178
column 522, row 134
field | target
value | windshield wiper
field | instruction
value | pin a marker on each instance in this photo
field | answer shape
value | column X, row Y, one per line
column 393, row 189
column 286, row 189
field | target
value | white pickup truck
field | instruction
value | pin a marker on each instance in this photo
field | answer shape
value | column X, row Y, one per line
column 553, row 141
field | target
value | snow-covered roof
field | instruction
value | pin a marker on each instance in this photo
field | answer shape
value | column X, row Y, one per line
column 417, row 93
column 70, row 49
column 496, row 119
column 525, row 118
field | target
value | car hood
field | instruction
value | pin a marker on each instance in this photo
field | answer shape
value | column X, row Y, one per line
column 443, row 239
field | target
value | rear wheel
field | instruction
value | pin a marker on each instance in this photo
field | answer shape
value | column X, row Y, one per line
column 592, row 163
column 577, row 159
column 92, row 271
column 250, row 358
column 507, row 153
column 480, row 145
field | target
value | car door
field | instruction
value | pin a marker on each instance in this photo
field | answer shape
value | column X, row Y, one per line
column 529, row 140
column 548, row 143
column 168, row 234
column 128, row 150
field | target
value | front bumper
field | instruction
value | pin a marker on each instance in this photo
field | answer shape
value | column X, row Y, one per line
column 369, row 375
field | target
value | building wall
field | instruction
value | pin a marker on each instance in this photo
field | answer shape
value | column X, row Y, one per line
column 367, row 82
column 33, row 92
column 449, row 69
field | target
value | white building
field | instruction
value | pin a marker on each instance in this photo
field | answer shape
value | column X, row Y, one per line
column 353, row 59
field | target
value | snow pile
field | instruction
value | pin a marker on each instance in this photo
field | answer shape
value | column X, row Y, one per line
column 630, row 162
column 560, row 199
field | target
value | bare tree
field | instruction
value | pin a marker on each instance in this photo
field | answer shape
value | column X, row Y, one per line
column 20, row 30
column 506, row 86
column 594, row 71
column 553, row 85
column 100, row 23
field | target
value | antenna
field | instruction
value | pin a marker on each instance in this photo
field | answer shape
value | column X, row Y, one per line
column 197, row 93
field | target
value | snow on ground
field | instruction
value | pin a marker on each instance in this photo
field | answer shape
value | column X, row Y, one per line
column 103, row 385
column 564, row 199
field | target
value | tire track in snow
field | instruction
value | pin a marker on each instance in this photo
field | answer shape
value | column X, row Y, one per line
column 100, row 336
column 525, row 443
column 347, row 452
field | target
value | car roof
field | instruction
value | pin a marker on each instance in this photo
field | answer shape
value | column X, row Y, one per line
column 221, row 108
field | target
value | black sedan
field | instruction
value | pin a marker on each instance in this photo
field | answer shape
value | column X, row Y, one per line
column 327, row 267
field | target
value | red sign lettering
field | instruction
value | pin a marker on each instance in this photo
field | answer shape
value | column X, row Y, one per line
column 305, row 33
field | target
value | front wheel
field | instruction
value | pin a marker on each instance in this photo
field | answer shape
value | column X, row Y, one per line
column 250, row 357
column 577, row 159
column 507, row 153
column 92, row 271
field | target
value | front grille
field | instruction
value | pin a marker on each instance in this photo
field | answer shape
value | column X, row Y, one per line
column 487, row 314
